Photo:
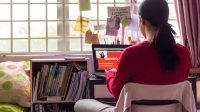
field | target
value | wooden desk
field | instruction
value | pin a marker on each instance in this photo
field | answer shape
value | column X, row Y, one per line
column 194, row 86
column 195, row 71
column 98, row 90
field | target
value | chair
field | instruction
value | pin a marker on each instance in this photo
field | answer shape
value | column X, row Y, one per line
column 136, row 97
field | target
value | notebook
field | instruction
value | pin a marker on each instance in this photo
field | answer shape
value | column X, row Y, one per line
column 105, row 57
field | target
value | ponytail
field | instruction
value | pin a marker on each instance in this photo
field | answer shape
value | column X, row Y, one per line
column 156, row 12
column 165, row 45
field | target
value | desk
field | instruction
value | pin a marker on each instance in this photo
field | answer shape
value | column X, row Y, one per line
column 194, row 86
column 99, row 91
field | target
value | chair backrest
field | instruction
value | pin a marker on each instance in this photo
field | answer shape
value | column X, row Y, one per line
column 156, row 98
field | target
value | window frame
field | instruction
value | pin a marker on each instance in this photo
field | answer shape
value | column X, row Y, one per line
column 64, row 39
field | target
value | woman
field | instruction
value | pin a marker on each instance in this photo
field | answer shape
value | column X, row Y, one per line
column 158, row 60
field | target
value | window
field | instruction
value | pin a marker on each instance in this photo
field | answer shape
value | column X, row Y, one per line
column 172, row 19
column 47, row 26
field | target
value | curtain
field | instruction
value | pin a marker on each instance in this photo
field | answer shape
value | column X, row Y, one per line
column 188, row 15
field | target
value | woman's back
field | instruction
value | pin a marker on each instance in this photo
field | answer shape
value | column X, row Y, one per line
column 141, row 64
column 144, row 65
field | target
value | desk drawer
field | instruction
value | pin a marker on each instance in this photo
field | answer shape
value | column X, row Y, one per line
column 98, row 90
column 101, row 91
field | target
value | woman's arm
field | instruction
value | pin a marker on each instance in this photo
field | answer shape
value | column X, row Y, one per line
column 116, row 78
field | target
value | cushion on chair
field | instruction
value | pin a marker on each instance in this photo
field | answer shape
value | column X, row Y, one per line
column 14, row 83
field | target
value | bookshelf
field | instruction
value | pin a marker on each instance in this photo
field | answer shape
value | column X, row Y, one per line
column 56, row 84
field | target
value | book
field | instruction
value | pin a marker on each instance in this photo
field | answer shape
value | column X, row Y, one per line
column 71, row 87
column 42, row 79
column 82, row 85
column 61, row 80
column 40, row 107
column 47, row 79
column 36, row 108
column 54, row 81
column 75, row 86
column 50, row 79
column 34, row 81
column 48, row 108
column 36, row 86
column 66, row 79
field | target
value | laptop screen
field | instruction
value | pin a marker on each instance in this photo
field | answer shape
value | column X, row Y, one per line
column 105, row 56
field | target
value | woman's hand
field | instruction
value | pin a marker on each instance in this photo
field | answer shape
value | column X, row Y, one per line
column 113, row 70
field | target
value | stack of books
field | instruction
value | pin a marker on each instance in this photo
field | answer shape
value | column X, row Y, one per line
column 60, row 82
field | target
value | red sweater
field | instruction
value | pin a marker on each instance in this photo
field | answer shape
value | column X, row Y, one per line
column 140, row 64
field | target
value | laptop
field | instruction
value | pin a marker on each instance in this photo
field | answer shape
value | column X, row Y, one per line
column 105, row 57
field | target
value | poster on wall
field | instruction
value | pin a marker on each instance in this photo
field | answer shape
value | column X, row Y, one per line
column 112, row 26
column 119, row 12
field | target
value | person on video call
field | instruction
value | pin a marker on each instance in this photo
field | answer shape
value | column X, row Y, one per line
column 158, row 60
column 102, row 55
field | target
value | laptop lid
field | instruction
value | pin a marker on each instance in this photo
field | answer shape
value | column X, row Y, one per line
column 105, row 56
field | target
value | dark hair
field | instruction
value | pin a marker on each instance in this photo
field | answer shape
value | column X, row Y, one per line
column 156, row 12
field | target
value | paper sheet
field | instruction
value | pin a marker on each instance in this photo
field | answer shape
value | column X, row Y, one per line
column 91, row 38
column 95, row 39
column 112, row 26
column 134, row 26
column 100, row 27
column 88, row 37
column 81, row 24
column 134, row 23
column 84, row 5
column 119, row 11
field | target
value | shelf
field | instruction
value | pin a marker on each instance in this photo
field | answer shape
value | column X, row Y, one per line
column 53, row 101
column 59, row 60
column 51, row 77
